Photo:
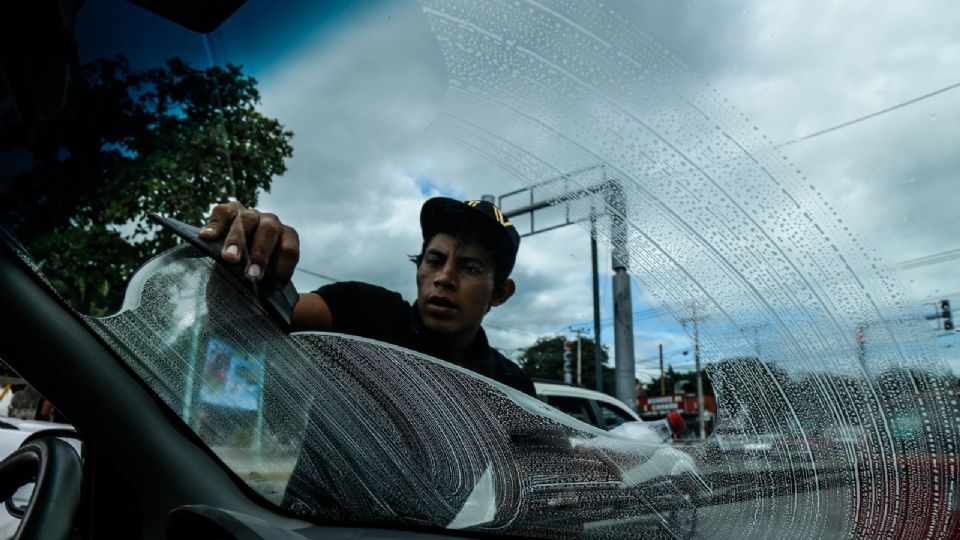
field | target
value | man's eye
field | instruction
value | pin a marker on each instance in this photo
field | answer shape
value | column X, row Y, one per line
column 474, row 270
column 434, row 261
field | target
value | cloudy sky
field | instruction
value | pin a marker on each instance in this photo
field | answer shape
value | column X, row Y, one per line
column 363, row 97
column 363, row 88
column 368, row 131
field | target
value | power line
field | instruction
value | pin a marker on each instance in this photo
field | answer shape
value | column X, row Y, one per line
column 941, row 296
column 927, row 260
column 317, row 274
column 508, row 329
column 639, row 315
column 666, row 355
column 869, row 116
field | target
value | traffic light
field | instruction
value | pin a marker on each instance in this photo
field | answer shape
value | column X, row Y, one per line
column 945, row 315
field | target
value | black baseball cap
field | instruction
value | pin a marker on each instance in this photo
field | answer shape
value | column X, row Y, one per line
column 481, row 219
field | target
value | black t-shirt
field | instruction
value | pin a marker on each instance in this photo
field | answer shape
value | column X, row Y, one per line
column 365, row 310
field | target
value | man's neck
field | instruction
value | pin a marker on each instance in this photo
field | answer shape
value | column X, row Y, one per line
column 456, row 348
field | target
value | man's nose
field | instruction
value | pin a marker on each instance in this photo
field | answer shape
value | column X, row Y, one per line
column 447, row 276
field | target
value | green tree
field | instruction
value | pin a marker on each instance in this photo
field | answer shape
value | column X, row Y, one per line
column 544, row 359
column 129, row 143
column 762, row 388
column 672, row 377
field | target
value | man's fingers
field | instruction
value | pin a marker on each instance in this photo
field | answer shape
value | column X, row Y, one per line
column 221, row 217
column 236, row 242
column 272, row 247
column 263, row 243
column 285, row 256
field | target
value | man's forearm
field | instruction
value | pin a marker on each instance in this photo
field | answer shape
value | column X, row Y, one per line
column 311, row 313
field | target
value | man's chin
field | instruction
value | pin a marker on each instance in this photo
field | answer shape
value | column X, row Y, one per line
column 439, row 326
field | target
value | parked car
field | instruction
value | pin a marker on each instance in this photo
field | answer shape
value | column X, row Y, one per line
column 588, row 406
column 609, row 413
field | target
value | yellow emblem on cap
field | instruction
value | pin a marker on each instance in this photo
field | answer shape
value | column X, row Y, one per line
column 501, row 218
column 496, row 211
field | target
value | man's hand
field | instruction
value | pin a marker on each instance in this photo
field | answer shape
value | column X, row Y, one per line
column 274, row 248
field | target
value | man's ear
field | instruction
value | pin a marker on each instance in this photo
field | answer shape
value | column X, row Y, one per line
column 503, row 293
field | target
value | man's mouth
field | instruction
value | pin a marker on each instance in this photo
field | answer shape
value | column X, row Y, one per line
column 440, row 305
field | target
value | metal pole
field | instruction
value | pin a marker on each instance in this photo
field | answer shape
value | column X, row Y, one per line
column 622, row 310
column 696, row 352
column 597, row 352
column 663, row 381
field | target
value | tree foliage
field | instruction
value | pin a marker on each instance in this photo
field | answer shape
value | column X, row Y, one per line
column 170, row 140
column 544, row 359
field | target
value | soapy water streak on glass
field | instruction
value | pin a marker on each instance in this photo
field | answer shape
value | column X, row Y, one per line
column 340, row 428
column 831, row 395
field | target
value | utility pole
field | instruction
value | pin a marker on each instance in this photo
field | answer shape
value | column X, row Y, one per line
column 622, row 312
column 579, row 333
column 567, row 361
column 597, row 352
column 579, row 379
column 755, row 328
column 663, row 381
column 861, row 346
column 696, row 356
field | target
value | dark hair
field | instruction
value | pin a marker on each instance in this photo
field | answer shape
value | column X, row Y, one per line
column 465, row 237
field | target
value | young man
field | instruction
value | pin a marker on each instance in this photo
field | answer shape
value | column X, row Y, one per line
column 469, row 249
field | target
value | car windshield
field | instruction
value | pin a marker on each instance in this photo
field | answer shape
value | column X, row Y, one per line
column 745, row 214
column 337, row 427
